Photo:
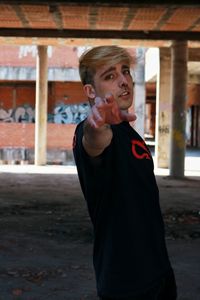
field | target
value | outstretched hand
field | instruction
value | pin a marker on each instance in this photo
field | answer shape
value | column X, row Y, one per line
column 106, row 111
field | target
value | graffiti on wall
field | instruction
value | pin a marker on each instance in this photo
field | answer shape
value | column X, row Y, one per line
column 69, row 114
column 26, row 50
column 21, row 114
column 63, row 114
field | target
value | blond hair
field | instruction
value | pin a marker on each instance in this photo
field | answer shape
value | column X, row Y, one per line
column 98, row 56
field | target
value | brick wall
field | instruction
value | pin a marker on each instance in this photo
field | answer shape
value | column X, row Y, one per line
column 15, row 94
column 22, row 135
column 17, row 143
column 17, row 139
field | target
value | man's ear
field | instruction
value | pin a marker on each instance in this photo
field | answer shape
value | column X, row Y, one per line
column 90, row 91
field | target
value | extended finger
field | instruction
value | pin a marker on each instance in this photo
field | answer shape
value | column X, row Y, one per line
column 91, row 121
column 109, row 98
column 101, row 103
column 98, row 100
column 94, row 123
column 97, row 114
column 116, row 112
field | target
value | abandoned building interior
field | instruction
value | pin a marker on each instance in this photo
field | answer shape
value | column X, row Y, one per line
column 41, row 97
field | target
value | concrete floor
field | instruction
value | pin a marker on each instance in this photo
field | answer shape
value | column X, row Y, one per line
column 46, row 235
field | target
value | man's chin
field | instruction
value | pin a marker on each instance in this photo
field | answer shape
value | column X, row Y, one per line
column 126, row 105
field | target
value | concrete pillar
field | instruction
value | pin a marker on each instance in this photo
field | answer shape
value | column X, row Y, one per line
column 179, row 93
column 41, row 106
column 140, row 91
column 163, row 109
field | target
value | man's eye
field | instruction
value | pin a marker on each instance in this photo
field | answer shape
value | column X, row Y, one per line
column 109, row 76
column 127, row 72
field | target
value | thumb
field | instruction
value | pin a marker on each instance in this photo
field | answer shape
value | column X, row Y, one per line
column 129, row 117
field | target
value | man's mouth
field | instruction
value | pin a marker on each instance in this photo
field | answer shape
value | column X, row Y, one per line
column 125, row 93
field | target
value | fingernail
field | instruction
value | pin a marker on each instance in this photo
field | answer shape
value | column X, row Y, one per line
column 108, row 95
column 97, row 100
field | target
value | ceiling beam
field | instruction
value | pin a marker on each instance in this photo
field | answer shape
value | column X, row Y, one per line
column 167, row 15
column 53, row 9
column 129, row 17
column 93, row 17
column 105, row 2
column 21, row 16
column 105, row 34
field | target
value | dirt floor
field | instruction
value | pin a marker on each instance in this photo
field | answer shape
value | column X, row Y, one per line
column 46, row 237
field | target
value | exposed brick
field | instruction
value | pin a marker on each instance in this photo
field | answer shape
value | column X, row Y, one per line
column 22, row 135
column 13, row 95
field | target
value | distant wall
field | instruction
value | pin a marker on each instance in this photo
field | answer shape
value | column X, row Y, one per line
column 67, row 106
column 17, row 143
column 14, row 94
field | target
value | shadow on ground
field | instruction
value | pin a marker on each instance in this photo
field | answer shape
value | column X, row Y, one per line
column 46, row 237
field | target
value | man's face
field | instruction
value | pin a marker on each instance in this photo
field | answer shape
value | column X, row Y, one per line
column 116, row 80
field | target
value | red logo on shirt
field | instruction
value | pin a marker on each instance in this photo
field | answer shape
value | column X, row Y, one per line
column 140, row 150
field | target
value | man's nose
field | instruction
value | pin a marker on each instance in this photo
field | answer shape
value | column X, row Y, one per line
column 123, row 80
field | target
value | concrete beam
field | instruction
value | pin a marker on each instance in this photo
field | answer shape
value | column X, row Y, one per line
column 104, row 34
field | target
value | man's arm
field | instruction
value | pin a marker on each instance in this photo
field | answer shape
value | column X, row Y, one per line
column 95, row 140
column 97, row 133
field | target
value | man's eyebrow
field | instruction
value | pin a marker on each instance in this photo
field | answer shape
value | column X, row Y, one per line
column 125, row 67
column 107, row 71
column 112, row 68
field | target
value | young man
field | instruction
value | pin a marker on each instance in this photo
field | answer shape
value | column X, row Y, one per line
column 115, row 170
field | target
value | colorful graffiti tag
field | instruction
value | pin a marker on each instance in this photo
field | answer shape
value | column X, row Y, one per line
column 63, row 114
